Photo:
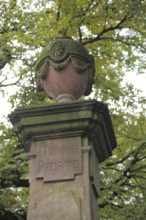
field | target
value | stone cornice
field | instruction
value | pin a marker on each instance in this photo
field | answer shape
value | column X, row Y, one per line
column 80, row 118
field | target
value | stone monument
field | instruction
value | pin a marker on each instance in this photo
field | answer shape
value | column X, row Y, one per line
column 67, row 140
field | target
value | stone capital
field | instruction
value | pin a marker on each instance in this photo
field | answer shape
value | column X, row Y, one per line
column 80, row 118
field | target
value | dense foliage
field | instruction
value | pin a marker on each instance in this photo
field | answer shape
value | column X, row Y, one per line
column 114, row 32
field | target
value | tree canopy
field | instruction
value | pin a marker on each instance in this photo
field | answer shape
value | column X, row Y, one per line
column 114, row 32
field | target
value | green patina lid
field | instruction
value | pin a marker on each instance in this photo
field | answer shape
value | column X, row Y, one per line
column 62, row 48
column 59, row 53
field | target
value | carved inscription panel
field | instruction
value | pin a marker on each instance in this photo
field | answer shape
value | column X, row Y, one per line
column 58, row 159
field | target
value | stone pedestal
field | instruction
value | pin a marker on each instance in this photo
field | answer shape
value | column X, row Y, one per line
column 65, row 143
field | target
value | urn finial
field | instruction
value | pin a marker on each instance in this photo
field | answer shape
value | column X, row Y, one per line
column 65, row 70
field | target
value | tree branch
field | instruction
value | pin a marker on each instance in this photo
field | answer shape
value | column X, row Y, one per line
column 10, row 84
column 138, row 46
column 80, row 34
column 105, row 30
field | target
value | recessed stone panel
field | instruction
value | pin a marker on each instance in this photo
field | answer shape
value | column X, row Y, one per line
column 58, row 159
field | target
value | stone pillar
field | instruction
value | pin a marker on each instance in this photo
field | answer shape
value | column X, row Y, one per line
column 65, row 143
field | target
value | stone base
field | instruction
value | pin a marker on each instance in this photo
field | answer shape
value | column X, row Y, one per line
column 72, row 188
column 65, row 143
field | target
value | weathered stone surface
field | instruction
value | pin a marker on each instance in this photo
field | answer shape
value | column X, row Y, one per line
column 67, row 199
column 66, row 207
column 57, row 159
column 55, row 201
column 73, row 119
column 65, row 144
